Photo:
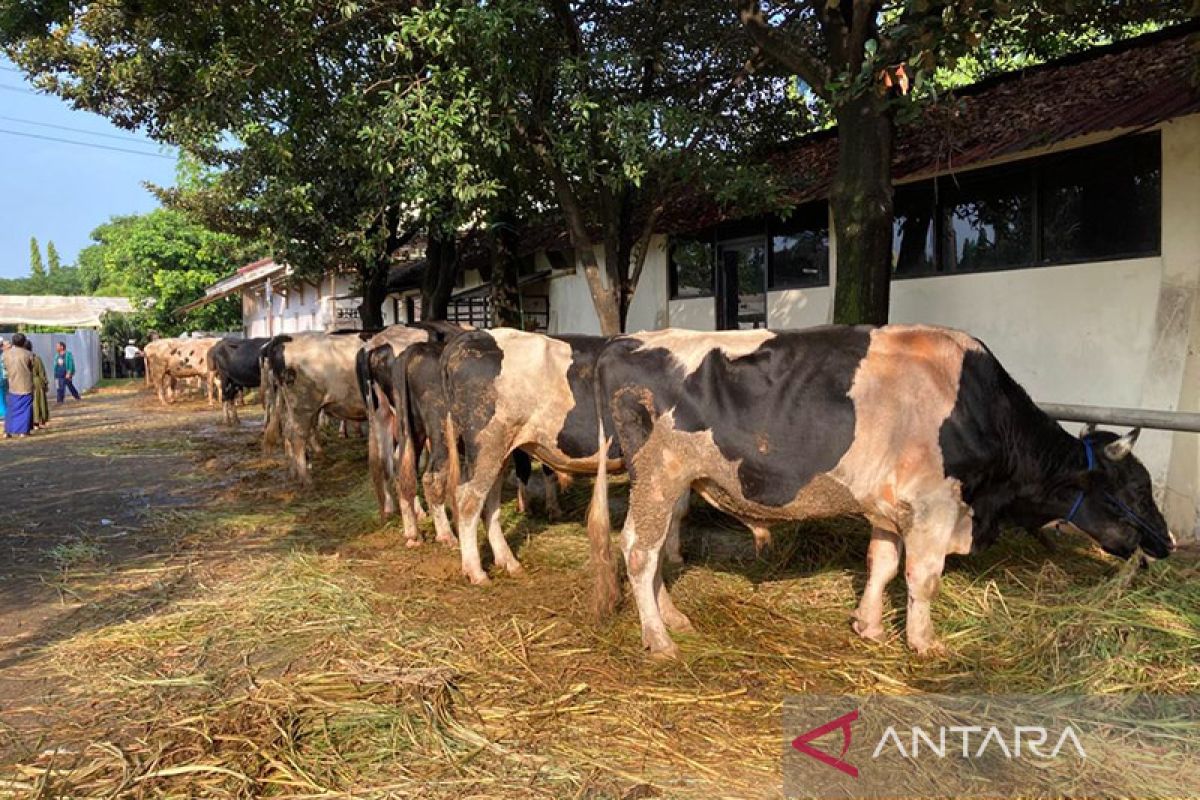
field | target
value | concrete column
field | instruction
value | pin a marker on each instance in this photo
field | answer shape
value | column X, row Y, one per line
column 1172, row 378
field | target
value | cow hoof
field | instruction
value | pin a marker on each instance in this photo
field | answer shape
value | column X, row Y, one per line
column 479, row 580
column 514, row 568
column 932, row 649
column 410, row 543
column 447, row 541
column 876, row 633
column 665, row 653
column 678, row 623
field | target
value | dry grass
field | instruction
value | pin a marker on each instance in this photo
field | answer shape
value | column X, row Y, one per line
column 316, row 656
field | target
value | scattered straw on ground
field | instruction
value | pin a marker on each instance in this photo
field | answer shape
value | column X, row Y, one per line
column 315, row 655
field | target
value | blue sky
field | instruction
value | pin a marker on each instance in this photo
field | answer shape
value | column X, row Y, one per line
column 58, row 191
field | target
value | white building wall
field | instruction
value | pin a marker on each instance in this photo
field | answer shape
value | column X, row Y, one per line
column 1071, row 334
column 1117, row 333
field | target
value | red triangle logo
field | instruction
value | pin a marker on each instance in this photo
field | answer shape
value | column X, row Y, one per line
column 843, row 722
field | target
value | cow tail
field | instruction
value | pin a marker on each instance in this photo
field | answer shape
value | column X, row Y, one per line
column 406, row 477
column 269, row 391
column 605, row 586
column 453, row 467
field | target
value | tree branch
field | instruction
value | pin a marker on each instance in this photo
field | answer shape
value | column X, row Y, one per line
column 774, row 46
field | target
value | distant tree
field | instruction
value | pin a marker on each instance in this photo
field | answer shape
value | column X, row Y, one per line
column 162, row 261
column 53, row 263
column 274, row 96
column 37, row 270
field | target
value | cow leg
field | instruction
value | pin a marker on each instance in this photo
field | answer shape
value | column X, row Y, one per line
column 377, row 468
column 550, row 479
column 926, row 543
column 470, row 504
column 419, row 509
column 501, row 553
column 642, row 539
column 522, row 497
column 883, row 562
column 524, row 470
column 406, row 491
column 383, row 452
column 441, row 524
column 434, row 482
column 296, row 438
column 673, row 548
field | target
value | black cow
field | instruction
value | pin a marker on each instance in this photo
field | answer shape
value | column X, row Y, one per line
column 919, row 429
column 236, row 362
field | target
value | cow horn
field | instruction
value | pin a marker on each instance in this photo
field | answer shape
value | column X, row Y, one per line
column 1123, row 446
column 1087, row 430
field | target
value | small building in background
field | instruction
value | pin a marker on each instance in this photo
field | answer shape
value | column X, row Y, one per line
column 275, row 300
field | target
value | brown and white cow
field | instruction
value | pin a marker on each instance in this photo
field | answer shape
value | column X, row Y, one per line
column 168, row 360
column 508, row 391
column 305, row 375
column 918, row 429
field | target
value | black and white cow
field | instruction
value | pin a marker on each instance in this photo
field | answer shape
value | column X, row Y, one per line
column 376, row 370
column 919, row 429
column 510, row 390
column 237, row 365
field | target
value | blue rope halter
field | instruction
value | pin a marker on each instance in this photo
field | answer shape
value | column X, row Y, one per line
column 1091, row 461
column 1128, row 513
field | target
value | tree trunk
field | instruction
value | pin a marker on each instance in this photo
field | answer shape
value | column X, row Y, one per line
column 441, row 261
column 604, row 298
column 862, row 211
column 506, row 296
column 374, row 293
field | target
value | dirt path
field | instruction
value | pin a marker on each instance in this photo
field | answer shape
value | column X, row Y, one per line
column 75, row 503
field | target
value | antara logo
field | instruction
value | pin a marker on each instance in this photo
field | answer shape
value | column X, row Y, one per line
column 973, row 741
column 801, row 743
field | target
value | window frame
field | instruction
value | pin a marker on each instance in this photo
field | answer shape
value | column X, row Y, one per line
column 1034, row 169
column 710, row 241
column 777, row 226
column 763, row 227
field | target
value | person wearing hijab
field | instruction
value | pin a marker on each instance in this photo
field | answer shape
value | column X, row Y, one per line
column 41, row 387
column 18, row 364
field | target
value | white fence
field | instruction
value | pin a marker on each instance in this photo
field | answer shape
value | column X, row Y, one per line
column 84, row 344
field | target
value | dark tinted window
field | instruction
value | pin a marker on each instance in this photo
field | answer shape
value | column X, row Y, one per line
column 1104, row 202
column 913, row 236
column 800, row 248
column 987, row 221
column 691, row 268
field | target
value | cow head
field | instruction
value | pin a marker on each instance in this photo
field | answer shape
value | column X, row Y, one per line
column 1114, row 502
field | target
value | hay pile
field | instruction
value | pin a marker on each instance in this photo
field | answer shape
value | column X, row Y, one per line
column 317, row 656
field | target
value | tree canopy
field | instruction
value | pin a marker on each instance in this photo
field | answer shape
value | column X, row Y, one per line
column 335, row 131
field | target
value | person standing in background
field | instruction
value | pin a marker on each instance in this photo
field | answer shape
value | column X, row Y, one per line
column 18, row 364
column 64, row 372
column 41, row 387
column 3, row 377
column 131, row 359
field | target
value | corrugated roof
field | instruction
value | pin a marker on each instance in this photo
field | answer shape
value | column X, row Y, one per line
column 61, row 310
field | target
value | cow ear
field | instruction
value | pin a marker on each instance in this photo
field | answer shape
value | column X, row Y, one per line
column 1122, row 447
column 1087, row 430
